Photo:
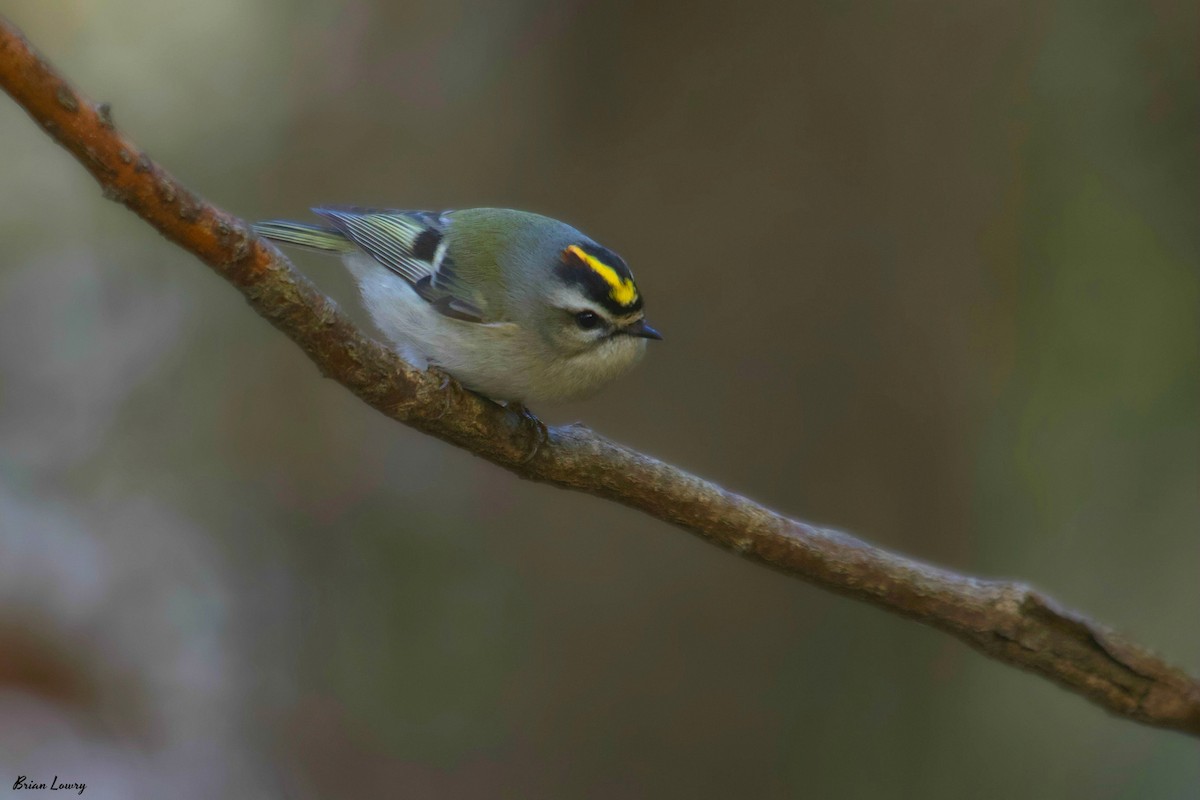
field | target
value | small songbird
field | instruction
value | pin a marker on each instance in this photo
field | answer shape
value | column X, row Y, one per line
column 516, row 306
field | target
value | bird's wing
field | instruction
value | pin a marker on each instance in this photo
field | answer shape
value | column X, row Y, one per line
column 413, row 245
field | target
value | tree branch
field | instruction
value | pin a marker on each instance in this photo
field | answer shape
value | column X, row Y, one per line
column 1009, row 622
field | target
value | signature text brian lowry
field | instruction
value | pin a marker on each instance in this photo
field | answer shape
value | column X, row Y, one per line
column 23, row 782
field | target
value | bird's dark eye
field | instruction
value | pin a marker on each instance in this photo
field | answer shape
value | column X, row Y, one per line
column 587, row 320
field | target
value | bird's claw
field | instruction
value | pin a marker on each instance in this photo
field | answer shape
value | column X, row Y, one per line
column 528, row 421
column 445, row 384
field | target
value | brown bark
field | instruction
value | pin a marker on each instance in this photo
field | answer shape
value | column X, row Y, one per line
column 1009, row 622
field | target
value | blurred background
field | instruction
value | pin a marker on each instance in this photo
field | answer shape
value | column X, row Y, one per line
column 927, row 272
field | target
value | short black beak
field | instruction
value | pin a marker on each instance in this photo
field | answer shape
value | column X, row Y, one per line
column 641, row 329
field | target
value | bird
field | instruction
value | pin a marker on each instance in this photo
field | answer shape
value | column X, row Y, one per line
column 516, row 306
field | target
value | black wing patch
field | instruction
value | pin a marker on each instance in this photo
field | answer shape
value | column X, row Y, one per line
column 411, row 244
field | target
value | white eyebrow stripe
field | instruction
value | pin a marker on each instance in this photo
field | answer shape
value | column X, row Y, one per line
column 573, row 300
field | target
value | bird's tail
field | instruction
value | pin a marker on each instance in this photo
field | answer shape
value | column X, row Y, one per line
column 310, row 237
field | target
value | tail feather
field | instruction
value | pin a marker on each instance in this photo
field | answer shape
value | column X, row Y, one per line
column 298, row 234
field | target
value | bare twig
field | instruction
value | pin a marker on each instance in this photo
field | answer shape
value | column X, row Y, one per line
column 1009, row 622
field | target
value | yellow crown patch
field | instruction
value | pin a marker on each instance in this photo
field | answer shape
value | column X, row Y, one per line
column 620, row 290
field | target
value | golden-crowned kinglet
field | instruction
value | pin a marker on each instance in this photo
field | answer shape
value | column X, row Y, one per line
column 517, row 306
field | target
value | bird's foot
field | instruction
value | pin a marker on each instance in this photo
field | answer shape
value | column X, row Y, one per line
column 534, row 428
column 446, row 386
